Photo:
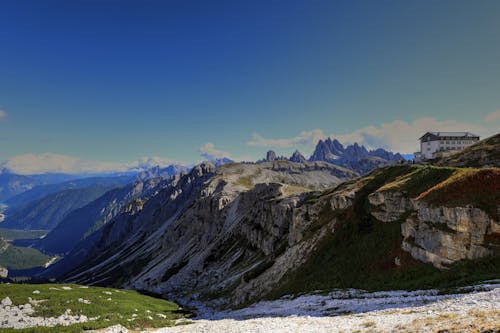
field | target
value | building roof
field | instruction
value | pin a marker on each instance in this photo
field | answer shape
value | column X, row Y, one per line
column 452, row 134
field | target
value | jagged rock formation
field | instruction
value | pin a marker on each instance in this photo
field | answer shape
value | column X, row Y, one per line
column 444, row 235
column 354, row 156
column 158, row 172
column 270, row 156
column 436, row 233
column 232, row 180
column 243, row 231
column 297, row 157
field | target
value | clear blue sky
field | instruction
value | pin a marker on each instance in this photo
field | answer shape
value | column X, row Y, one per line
column 117, row 80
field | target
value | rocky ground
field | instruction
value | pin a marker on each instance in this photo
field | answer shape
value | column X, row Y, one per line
column 478, row 310
column 473, row 309
column 21, row 316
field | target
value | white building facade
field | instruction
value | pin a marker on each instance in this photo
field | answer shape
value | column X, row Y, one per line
column 434, row 143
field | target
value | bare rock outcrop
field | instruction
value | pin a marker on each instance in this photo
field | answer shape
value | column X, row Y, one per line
column 444, row 235
column 437, row 235
column 389, row 206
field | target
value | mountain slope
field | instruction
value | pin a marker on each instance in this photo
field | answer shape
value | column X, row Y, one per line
column 12, row 184
column 40, row 191
column 46, row 213
column 81, row 222
column 484, row 153
column 239, row 233
column 231, row 178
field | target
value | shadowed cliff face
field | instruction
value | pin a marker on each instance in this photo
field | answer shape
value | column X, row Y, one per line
column 240, row 232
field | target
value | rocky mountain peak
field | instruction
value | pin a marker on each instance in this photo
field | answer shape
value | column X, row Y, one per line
column 297, row 157
column 354, row 156
column 202, row 169
column 271, row 155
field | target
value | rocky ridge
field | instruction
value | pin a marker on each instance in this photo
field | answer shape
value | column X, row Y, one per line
column 237, row 233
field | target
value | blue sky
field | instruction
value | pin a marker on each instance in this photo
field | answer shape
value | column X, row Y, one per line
column 181, row 80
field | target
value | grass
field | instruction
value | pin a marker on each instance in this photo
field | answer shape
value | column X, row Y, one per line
column 14, row 234
column 124, row 305
column 419, row 180
column 17, row 257
column 484, row 152
column 477, row 187
column 361, row 253
column 245, row 181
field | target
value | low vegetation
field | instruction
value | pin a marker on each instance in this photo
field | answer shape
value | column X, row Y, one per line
column 476, row 187
column 18, row 257
column 108, row 306
column 366, row 253
column 420, row 179
column 14, row 234
column 483, row 153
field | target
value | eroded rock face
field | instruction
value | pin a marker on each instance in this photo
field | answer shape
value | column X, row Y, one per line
column 437, row 235
column 235, row 231
column 390, row 206
column 444, row 235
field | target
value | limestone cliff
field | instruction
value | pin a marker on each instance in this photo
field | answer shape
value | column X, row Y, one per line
column 241, row 232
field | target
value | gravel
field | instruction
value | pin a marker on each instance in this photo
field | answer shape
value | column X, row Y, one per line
column 475, row 309
column 353, row 310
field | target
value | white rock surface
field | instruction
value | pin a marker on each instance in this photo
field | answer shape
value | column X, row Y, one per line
column 351, row 311
column 112, row 329
column 20, row 316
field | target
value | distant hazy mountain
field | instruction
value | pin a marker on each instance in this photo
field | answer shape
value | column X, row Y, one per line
column 297, row 157
column 40, row 191
column 81, row 222
column 156, row 172
column 16, row 189
column 12, row 184
column 354, row 156
column 47, row 212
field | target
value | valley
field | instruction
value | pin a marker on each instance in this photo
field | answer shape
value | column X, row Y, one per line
column 258, row 242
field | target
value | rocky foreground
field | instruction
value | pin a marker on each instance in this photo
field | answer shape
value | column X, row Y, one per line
column 478, row 310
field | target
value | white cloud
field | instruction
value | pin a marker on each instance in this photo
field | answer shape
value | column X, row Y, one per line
column 3, row 114
column 209, row 152
column 304, row 138
column 56, row 163
column 494, row 116
column 398, row 136
column 402, row 136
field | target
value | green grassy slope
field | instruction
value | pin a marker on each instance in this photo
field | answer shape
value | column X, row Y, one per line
column 14, row 234
column 111, row 306
column 17, row 257
column 484, row 153
column 362, row 251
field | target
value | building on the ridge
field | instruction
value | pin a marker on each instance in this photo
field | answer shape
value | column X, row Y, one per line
column 437, row 144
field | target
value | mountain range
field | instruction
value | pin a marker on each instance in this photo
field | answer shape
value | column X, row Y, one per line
column 235, row 233
column 355, row 156
column 238, row 233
